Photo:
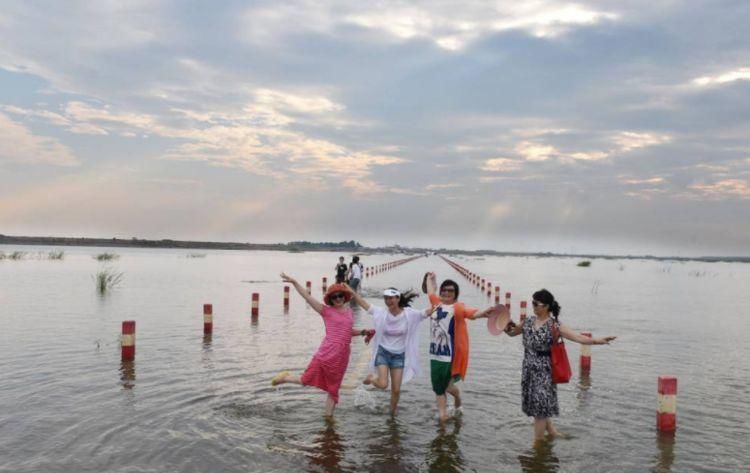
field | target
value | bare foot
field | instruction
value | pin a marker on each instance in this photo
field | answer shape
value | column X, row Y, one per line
column 368, row 379
column 280, row 378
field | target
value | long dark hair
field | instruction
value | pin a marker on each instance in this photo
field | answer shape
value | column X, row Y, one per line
column 546, row 297
column 406, row 297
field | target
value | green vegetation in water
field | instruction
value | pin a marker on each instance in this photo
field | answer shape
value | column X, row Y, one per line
column 56, row 255
column 106, row 279
column 584, row 264
column 106, row 256
column 195, row 255
column 17, row 255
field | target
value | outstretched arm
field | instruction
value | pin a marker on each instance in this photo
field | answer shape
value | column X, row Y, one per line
column 497, row 308
column 314, row 303
column 431, row 283
column 574, row 336
column 360, row 300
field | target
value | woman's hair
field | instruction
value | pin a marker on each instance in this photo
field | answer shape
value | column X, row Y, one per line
column 355, row 259
column 450, row 282
column 406, row 297
column 546, row 297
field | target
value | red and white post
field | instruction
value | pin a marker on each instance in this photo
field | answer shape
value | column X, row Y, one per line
column 308, row 285
column 666, row 406
column 586, row 355
column 507, row 300
column 325, row 285
column 127, row 340
column 523, row 311
column 497, row 294
column 255, row 308
column 208, row 318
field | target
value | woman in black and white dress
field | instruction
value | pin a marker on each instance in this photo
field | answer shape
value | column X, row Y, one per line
column 538, row 392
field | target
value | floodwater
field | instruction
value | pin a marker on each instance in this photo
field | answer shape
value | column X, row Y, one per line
column 195, row 403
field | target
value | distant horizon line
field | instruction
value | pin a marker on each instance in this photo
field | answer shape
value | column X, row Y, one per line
column 300, row 246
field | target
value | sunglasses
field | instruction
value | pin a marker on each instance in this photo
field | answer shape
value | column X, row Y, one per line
column 537, row 304
column 338, row 295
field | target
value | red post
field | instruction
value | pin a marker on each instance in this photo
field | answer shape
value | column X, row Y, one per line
column 325, row 285
column 308, row 284
column 489, row 289
column 507, row 300
column 523, row 311
column 256, row 304
column 208, row 318
column 666, row 407
column 286, row 297
column 127, row 340
column 497, row 294
column 586, row 355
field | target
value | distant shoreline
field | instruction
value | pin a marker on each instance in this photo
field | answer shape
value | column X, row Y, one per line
column 347, row 247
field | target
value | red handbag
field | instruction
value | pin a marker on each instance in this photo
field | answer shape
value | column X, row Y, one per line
column 561, row 371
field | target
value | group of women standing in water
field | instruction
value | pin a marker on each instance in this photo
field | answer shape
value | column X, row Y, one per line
column 395, row 353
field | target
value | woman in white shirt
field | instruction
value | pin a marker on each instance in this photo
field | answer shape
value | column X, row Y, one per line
column 395, row 350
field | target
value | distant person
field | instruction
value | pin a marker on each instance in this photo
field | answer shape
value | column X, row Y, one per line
column 539, row 394
column 396, row 348
column 328, row 365
column 355, row 273
column 341, row 270
column 449, row 344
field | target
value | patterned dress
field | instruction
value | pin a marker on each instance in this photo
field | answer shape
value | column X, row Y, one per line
column 328, row 365
column 538, row 392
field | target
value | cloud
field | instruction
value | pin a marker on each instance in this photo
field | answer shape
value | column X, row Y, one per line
column 20, row 145
column 742, row 73
column 724, row 189
column 501, row 165
column 449, row 25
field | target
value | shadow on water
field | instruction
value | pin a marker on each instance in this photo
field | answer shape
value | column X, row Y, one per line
column 127, row 374
column 665, row 452
column 327, row 451
column 540, row 459
column 444, row 454
column 584, row 385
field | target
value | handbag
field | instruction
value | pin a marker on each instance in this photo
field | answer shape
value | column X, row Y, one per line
column 559, row 363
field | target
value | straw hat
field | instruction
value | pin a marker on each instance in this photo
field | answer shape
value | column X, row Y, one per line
column 333, row 289
column 496, row 323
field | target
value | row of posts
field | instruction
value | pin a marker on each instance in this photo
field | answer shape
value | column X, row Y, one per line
column 666, row 410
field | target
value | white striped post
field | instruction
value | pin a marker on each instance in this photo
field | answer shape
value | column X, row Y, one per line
column 523, row 311
column 308, row 285
column 127, row 340
column 208, row 318
column 255, row 308
column 507, row 300
column 666, row 406
column 586, row 355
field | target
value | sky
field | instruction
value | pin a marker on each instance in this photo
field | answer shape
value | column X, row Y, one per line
column 546, row 125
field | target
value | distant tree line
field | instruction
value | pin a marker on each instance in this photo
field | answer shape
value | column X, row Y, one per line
column 351, row 244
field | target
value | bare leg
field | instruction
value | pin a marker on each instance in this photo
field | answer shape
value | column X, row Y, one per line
column 381, row 381
column 540, row 424
column 397, row 375
column 442, row 405
column 454, row 391
column 330, row 406
column 551, row 428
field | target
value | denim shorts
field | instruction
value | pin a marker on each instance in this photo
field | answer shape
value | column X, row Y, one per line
column 391, row 360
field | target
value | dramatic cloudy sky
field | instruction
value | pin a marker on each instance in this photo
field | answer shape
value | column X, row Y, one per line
column 607, row 126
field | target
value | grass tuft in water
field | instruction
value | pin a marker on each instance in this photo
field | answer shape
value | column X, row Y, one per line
column 17, row 255
column 56, row 255
column 106, row 279
column 106, row 256
column 195, row 255
column 584, row 264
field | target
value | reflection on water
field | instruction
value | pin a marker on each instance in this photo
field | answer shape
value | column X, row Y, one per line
column 540, row 459
column 327, row 451
column 665, row 453
column 386, row 452
column 207, row 339
column 444, row 454
column 127, row 374
column 584, row 385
